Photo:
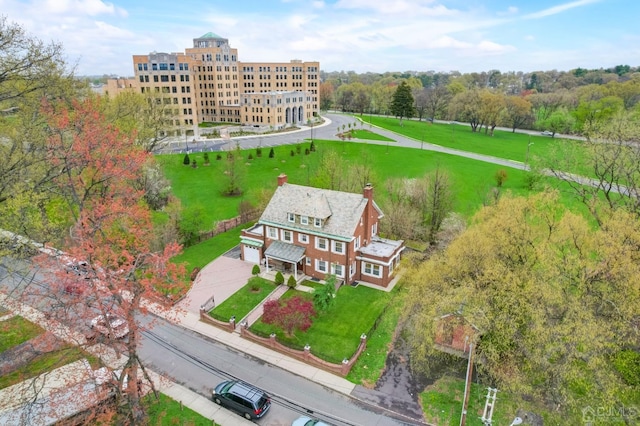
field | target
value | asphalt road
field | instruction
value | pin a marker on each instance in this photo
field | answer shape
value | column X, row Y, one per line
column 200, row 364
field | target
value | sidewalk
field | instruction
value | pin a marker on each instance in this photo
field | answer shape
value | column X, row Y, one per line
column 188, row 398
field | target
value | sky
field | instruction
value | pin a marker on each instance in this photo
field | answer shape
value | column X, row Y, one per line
column 100, row 37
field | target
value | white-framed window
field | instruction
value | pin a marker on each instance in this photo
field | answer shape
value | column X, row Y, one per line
column 352, row 269
column 371, row 269
column 337, row 270
column 321, row 244
column 374, row 228
column 304, row 220
column 338, row 247
column 292, row 217
column 321, row 266
column 317, row 222
column 308, row 261
column 303, row 238
column 272, row 233
column 357, row 242
column 287, row 236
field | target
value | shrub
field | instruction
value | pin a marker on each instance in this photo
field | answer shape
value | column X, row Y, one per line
column 206, row 157
column 272, row 153
column 312, row 147
column 194, row 164
column 324, row 297
column 293, row 153
column 290, row 315
column 500, row 177
column 218, row 156
column 258, row 152
column 186, row 161
column 298, row 149
column 250, row 156
column 306, row 151
column 291, row 282
column 255, row 270
column 279, row 278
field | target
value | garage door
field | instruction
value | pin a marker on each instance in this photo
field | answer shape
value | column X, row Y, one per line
column 251, row 254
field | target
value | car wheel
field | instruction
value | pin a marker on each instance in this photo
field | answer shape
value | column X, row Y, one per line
column 217, row 401
column 247, row 416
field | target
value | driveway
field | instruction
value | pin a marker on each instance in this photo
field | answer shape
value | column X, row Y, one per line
column 219, row 279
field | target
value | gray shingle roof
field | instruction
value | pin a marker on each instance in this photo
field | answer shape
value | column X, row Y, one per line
column 341, row 211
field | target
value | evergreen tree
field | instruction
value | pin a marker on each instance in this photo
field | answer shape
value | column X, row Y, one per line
column 402, row 104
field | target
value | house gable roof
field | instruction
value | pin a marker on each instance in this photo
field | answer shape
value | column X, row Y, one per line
column 341, row 211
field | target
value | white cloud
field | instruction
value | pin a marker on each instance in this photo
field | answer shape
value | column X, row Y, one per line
column 559, row 9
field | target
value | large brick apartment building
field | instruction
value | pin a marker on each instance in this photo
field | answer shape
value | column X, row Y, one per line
column 316, row 232
column 208, row 83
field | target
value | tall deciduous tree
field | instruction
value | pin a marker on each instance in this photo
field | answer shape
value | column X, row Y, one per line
column 111, row 233
column 326, row 92
column 402, row 104
column 554, row 299
column 516, row 112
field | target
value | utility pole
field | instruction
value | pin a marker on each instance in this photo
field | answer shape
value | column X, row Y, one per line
column 489, row 404
column 467, row 387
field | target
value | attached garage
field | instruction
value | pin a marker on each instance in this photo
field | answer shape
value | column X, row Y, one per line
column 251, row 250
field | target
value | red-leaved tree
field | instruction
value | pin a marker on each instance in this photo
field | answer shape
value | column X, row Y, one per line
column 112, row 262
column 290, row 315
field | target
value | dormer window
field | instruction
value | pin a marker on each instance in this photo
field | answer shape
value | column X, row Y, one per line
column 304, row 220
column 317, row 222
column 292, row 217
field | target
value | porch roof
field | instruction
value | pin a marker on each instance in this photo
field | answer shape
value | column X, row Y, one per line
column 285, row 252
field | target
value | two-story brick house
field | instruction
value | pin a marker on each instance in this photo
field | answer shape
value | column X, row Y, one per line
column 316, row 232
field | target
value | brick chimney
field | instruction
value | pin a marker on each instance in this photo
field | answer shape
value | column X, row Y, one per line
column 282, row 179
column 368, row 192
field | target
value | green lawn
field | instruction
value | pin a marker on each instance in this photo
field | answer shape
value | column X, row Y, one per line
column 244, row 300
column 442, row 405
column 46, row 362
column 17, row 330
column 368, row 134
column 503, row 144
column 169, row 412
column 335, row 334
column 199, row 255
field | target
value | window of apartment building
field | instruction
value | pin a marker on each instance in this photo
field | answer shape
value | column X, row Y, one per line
column 287, row 236
column 272, row 233
column 317, row 222
column 155, row 78
column 173, row 78
column 338, row 247
column 163, row 66
column 371, row 269
column 172, row 67
column 321, row 266
column 303, row 238
column 154, row 67
column 139, row 67
column 308, row 261
column 142, row 79
column 337, row 270
column 292, row 217
column 321, row 243
column 164, row 78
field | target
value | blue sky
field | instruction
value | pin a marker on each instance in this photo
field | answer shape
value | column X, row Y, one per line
column 351, row 35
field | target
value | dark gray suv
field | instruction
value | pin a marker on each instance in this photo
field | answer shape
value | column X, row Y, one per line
column 247, row 400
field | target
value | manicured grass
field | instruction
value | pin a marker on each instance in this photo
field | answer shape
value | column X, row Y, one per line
column 46, row 362
column 17, row 330
column 502, row 144
column 335, row 333
column 243, row 300
column 371, row 363
column 368, row 134
column 199, row 255
column 442, row 405
column 169, row 412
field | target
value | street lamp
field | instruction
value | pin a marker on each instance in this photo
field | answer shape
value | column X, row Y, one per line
column 526, row 158
column 453, row 131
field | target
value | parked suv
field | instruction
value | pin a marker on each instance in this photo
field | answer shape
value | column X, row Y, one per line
column 247, row 400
